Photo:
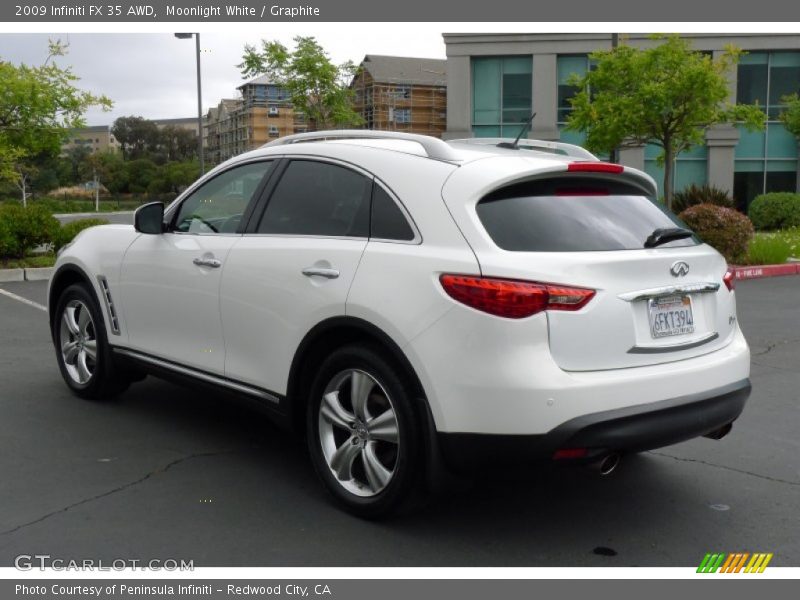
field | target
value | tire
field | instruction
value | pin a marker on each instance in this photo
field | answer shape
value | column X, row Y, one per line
column 366, row 452
column 79, row 332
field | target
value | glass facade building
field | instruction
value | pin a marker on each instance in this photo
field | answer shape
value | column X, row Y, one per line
column 510, row 76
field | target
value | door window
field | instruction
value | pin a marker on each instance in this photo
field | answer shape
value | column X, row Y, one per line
column 218, row 205
column 318, row 198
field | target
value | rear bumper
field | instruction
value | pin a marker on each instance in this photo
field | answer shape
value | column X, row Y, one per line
column 633, row 428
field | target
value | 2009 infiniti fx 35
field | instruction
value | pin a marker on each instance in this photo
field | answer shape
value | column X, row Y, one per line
column 409, row 302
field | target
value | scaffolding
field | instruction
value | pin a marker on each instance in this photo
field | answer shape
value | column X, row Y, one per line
column 402, row 106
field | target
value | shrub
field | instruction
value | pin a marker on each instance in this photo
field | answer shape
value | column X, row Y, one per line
column 776, row 210
column 727, row 230
column 69, row 230
column 769, row 248
column 700, row 194
column 22, row 229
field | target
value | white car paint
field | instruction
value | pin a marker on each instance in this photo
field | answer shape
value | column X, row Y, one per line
column 480, row 373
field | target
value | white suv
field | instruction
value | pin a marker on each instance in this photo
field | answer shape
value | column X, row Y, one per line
column 409, row 302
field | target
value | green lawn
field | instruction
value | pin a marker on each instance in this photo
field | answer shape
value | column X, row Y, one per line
column 774, row 247
column 38, row 260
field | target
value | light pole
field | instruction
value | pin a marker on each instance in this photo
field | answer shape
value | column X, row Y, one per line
column 187, row 36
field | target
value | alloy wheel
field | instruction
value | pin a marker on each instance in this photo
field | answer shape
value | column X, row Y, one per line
column 359, row 432
column 78, row 340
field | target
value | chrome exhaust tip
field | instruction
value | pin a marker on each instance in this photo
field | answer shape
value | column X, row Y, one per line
column 608, row 464
column 720, row 433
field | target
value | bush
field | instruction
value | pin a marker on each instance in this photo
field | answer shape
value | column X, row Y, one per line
column 69, row 230
column 776, row 210
column 727, row 230
column 700, row 194
column 22, row 229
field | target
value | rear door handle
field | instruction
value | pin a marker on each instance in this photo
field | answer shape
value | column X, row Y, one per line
column 207, row 262
column 321, row 272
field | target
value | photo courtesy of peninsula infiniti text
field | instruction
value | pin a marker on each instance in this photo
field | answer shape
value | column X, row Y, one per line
column 416, row 307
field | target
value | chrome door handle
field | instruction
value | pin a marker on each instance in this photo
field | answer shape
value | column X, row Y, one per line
column 207, row 262
column 321, row 272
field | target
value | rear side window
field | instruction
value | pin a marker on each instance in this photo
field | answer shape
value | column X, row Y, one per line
column 388, row 221
column 574, row 215
column 318, row 198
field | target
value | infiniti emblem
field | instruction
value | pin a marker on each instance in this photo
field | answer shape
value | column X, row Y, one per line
column 679, row 269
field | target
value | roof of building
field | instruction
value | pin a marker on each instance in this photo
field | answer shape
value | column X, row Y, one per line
column 261, row 80
column 178, row 121
column 405, row 69
column 92, row 129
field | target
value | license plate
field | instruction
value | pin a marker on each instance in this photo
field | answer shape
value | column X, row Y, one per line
column 670, row 316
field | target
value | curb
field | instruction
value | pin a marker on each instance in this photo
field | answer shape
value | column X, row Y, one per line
column 8, row 275
column 761, row 271
column 38, row 273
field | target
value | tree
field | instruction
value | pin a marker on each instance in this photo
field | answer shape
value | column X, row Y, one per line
column 178, row 143
column 667, row 95
column 317, row 87
column 790, row 116
column 137, row 136
column 38, row 108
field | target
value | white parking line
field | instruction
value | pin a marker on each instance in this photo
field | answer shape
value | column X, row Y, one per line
column 23, row 300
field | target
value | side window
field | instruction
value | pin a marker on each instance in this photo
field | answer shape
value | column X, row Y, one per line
column 317, row 198
column 387, row 221
column 218, row 205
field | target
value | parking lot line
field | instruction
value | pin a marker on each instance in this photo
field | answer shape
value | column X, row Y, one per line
column 23, row 300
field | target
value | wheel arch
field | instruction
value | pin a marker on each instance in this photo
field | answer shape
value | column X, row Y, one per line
column 66, row 275
column 324, row 338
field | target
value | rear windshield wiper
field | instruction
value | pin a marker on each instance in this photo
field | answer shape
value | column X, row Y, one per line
column 662, row 235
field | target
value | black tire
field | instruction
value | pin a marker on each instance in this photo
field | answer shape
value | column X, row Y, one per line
column 407, row 463
column 104, row 381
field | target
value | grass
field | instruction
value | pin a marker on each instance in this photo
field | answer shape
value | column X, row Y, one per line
column 62, row 206
column 770, row 248
column 30, row 262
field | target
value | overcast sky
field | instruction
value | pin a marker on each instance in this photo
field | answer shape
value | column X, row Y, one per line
column 153, row 75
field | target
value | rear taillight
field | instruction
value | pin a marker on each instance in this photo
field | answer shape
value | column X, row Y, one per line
column 511, row 298
column 729, row 279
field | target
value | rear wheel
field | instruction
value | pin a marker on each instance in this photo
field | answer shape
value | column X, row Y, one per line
column 362, row 432
column 82, row 349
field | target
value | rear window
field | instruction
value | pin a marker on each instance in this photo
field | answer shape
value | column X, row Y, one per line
column 574, row 215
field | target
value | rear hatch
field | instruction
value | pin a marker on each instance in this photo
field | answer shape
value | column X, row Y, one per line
column 589, row 229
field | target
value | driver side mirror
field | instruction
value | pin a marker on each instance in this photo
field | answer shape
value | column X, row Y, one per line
column 149, row 218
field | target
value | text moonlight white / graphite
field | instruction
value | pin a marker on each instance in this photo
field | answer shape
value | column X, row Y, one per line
column 241, row 10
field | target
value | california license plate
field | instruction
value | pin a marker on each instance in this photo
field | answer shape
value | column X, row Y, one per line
column 670, row 315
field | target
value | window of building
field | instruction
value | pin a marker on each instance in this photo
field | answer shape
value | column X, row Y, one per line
column 567, row 67
column 273, row 131
column 402, row 116
column 502, row 90
column 766, row 161
column 317, row 198
column 403, row 91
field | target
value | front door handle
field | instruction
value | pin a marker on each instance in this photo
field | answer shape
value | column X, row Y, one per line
column 321, row 272
column 207, row 262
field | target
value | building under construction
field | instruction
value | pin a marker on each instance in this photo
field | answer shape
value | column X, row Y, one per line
column 395, row 93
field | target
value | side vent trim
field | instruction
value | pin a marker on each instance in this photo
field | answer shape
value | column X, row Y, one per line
column 112, row 313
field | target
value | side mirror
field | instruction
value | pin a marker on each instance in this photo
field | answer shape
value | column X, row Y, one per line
column 149, row 218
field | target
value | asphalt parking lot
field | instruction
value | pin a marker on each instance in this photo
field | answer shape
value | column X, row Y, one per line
column 165, row 472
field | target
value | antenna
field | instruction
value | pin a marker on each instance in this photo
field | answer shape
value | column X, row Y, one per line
column 525, row 129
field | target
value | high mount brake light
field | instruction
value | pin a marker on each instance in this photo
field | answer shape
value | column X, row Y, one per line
column 512, row 298
column 594, row 167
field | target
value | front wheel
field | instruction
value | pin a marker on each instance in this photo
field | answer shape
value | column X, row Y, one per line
column 362, row 432
column 82, row 350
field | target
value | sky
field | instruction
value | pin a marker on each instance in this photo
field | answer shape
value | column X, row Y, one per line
column 153, row 74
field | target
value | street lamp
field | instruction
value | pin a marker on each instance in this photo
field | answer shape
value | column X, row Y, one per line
column 188, row 36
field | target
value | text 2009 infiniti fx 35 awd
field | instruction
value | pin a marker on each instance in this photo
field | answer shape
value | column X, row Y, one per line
column 409, row 302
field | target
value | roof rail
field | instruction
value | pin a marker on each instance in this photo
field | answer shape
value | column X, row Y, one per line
column 528, row 144
column 434, row 147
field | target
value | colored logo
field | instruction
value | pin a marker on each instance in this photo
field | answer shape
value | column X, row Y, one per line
column 736, row 562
